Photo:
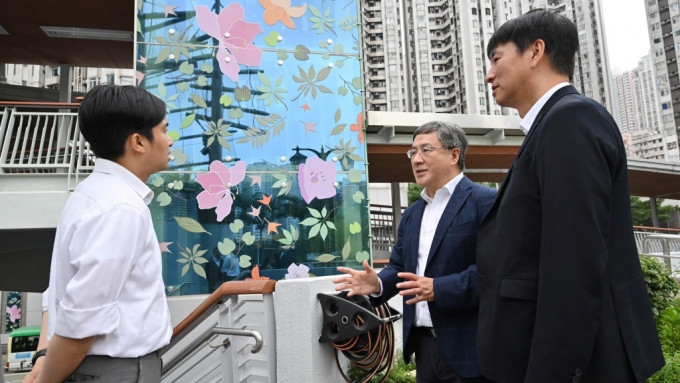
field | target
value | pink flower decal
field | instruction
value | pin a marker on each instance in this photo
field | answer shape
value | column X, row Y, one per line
column 235, row 36
column 316, row 179
column 14, row 313
column 217, row 184
column 297, row 271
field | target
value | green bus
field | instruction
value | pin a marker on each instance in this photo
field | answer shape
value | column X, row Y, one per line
column 22, row 343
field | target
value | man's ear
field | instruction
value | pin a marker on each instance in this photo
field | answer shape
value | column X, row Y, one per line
column 455, row 155
column 137, row 143
column 537, row 52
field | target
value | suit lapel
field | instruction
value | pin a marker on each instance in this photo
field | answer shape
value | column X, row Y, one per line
column 460, row 195
column 534, row 127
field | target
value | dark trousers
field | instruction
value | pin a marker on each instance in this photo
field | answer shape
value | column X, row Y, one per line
column 430, row 365
column 106, row 369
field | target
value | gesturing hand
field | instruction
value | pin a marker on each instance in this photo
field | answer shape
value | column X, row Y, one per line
column 421, row 287
column 359, row 282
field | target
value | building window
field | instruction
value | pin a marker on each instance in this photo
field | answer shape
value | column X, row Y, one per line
column 654, row 15
column 474, row 11
column 482, row 101
column 487, row 11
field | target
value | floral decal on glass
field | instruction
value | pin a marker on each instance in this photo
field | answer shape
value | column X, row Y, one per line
column 235, row 36
column 316, row 178
column 264, row 103
column 217, row 184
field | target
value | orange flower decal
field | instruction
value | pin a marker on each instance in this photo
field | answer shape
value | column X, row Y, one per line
column 255, row 274
column 359, row 127
column 280, row 10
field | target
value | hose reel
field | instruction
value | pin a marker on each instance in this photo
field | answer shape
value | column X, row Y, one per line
column 364, row 334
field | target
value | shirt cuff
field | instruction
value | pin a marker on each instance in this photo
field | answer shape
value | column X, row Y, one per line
column 379, row 294
column 83, row 323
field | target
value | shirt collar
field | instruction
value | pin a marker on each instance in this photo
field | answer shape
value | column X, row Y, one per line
column 126, row 176
column 449, row 188
column 530, row 117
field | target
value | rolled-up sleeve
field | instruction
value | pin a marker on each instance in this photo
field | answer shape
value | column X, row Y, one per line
column 102, row 252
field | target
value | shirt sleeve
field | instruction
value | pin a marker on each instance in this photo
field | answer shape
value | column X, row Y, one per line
column 45, row 299
column 102, row 252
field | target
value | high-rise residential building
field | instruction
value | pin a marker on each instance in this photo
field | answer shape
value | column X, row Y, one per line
column 663, row 23
column 40, row 76
column 647, row 95
column 625, row 102
column 430, row 55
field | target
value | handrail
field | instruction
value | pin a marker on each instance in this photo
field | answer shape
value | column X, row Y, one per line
column 657, row 229
column 666, row 252
column 169, row 365
column 209, row 305
column 38, row 104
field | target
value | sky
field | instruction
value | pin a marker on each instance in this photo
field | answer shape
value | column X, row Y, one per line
column 625, row 25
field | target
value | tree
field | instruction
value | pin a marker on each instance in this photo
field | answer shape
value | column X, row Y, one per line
column 414, row 193
column 642, row 212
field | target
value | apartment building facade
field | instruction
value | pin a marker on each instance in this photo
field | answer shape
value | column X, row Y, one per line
column 430, row 56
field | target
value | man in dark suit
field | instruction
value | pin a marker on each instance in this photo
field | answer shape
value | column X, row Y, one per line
column 562, row 295
column 433, row 262
column 213, row 271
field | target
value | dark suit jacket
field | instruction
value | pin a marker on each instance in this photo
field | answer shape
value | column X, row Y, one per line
column 451, row 263
column 562, row 295
column 213, row 273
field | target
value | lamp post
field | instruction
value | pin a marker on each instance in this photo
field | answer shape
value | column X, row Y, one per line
column 299, row 158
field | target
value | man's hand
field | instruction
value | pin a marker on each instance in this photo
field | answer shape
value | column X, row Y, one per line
column 421, row 287
column 37, row 367
column 359, row 282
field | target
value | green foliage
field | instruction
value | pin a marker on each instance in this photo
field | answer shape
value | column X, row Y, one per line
column 660, row 284
column 671, row 371
column 401, row 372
column 642, row 212
column 669, row 329
column 414, row 193
column 669, row 335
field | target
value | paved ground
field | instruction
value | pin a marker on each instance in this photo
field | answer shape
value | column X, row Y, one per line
column 14, row 377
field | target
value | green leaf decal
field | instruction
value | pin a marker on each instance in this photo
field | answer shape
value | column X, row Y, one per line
column 164, row 199
column 186, row 68
column 358, row 197
column 198, row 100
column 187, row 121
column 355, row 228
column 248, row 238
column 236, row 226
column 244, row 261
column 354, row 176
column 362, row 256
column 158, row 181
column 325, row 258
column 346, row 250
column 226, row 247
column 190, row 225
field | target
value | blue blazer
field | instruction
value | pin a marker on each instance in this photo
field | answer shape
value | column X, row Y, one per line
column 452, row 264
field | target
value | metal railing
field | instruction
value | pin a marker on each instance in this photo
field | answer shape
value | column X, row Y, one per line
column 42, row 138
column 382, row 227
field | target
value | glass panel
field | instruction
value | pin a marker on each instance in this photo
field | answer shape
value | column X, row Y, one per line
column 265, row 107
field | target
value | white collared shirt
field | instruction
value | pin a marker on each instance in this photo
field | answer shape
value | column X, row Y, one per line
column 428, row 226
column 530, row 117
column 106, row 274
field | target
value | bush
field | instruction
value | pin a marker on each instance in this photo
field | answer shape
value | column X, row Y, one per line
column 671, row 371
column 660, row 284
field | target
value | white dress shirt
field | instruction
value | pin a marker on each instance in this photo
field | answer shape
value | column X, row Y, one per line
column 106, row 274
column 530, row 117
column 431, row 215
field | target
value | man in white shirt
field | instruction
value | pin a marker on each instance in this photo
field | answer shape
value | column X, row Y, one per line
column 433, row 262
column 562, row 295
column 108, row 316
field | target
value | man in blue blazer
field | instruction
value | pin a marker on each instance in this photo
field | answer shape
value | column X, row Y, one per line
column 562, row 295
column 433, row 263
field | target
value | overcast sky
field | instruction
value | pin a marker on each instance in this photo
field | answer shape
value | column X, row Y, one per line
column 625, row 24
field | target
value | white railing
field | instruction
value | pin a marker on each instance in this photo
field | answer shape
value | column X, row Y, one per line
column 42, row 138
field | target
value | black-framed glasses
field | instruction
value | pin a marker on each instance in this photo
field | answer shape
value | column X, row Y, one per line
column 425, row 151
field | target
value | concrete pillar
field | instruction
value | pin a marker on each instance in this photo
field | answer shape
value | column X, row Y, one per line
column 655, row 214
column 65, row 81
column 3, row 76
column 300, row 356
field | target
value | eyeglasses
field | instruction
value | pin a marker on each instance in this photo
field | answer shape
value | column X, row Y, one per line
column 425, row 151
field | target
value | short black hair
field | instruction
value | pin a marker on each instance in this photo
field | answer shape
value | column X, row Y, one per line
column 109, row 114
column 450, row 135
column 557, row 31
